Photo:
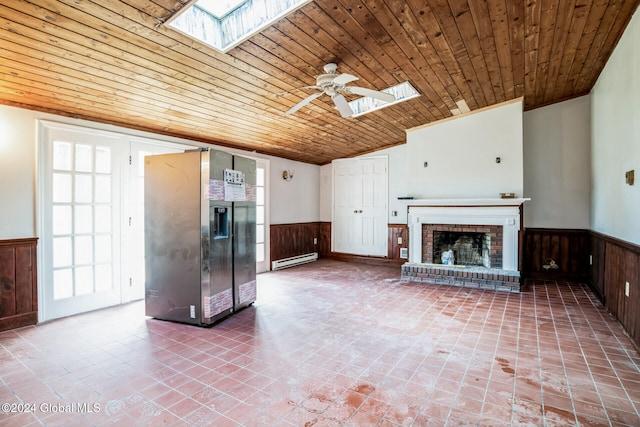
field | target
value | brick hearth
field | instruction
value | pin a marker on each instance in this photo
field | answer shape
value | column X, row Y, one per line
column 467, row 277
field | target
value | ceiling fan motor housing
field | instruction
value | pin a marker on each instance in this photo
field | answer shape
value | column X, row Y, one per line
column 330, row 68
column 324, row 80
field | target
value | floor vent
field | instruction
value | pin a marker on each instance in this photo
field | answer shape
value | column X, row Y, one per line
column 295, row 260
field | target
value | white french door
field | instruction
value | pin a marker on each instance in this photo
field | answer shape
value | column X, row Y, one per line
column 80, row 225
column 133, row 242
column 262, row 216
column 91, row 217
column 360, row 206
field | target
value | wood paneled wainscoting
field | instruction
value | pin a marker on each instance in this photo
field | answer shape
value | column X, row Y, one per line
column 616, row 263
column 397, row 231
column 18, row 283
column 288, row 240
column 555, row 254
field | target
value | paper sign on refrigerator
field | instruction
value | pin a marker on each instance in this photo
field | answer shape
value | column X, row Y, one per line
column 234, row 186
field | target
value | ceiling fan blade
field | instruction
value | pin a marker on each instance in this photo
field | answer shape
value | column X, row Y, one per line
column 343, row 79
column 342, row 105
column 382, row 96
column 284, row 92
column 304, row 102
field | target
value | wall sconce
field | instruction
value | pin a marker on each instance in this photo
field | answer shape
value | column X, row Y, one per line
column 287, row 175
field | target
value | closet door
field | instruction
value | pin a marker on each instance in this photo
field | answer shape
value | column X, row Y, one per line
column 360, row 206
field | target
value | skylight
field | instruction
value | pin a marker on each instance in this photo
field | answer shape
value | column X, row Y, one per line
column 219, row 8
column 366, row 104
column 223, row 24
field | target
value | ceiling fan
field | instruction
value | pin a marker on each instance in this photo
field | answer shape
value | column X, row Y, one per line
column 334, row 84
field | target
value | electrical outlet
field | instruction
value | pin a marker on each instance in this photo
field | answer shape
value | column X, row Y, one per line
column 192, row 311
column 626, row 289
column 399, row 240
column 315, row 240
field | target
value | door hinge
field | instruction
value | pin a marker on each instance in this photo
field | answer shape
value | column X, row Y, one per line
column 130, row 160
column 129, row 221
column 130, row 281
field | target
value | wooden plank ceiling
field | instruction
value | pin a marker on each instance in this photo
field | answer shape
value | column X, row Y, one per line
column 117, row 62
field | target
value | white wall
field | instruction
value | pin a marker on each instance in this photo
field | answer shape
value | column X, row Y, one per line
column 294, row 201
column 557, row 161
column 615, row 107
column 461, row 155
column 17, row 173
column 326, row 192
column 297, row 200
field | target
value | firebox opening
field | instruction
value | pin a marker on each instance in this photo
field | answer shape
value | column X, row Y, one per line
column 468, row 248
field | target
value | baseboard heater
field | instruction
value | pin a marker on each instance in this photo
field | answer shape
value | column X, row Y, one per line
column 294, row 260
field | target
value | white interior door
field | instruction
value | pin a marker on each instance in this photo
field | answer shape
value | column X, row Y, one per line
column 79, row 223
column 360, row 206
column 372, row 216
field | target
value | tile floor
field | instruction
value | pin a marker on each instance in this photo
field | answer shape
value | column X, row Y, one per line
column 334, row 344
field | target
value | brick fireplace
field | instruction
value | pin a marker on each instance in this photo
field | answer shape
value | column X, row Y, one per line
column 479, row 245
column 481, row 233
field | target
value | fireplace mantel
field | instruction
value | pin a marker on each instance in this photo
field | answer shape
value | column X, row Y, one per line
column 502, row 212
column 466, row 202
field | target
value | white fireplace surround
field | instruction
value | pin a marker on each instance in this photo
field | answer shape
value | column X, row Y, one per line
column 503, row 212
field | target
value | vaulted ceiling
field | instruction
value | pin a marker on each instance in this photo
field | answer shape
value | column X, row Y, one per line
column 118, row 62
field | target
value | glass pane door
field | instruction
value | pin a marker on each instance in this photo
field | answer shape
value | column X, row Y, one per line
column 133, row 250
column 80, row 224
column 262, row 220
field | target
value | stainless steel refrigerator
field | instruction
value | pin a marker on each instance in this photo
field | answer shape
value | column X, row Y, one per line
column 200, row 235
